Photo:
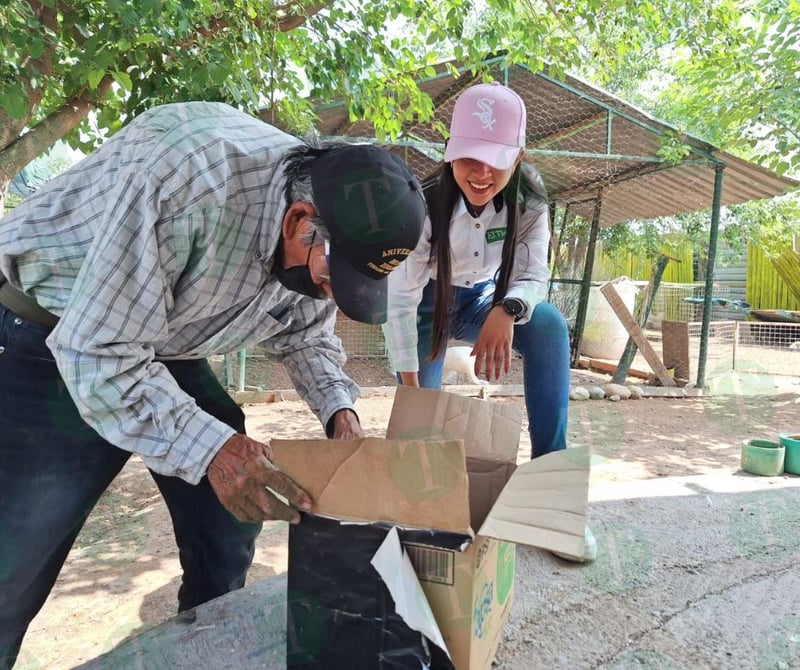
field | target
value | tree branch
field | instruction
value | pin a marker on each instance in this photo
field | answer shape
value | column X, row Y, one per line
column 42, row 136
column 48, row 17
column 42, row 66
column 293, row 18
column 290, row 16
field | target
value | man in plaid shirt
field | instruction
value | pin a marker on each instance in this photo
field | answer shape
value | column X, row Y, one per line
column 195, row 230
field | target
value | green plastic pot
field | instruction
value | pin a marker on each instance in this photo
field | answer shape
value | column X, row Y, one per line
column 763, row 457
column 791, row 443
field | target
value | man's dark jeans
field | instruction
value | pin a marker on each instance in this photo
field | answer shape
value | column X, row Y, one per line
column 54, row 468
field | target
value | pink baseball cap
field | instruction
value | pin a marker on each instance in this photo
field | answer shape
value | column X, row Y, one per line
column 488, row 125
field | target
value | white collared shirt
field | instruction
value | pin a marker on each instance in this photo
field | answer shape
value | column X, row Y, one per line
column 476, row 245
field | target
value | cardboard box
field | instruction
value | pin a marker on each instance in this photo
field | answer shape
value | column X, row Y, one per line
column 448, row 464
column 341, row 610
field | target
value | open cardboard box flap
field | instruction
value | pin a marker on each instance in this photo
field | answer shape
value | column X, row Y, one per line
column 416, row 477
column 540, row 503
column 544, row 503
column 412, row 483
column 490, row 431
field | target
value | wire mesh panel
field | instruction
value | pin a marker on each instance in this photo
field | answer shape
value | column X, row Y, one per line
column 360, row 340
column 565, row 296
column 735, row 341
column 254, row 370
column 721, row 347
column 684, row 302
column 588, row 145
column 769, row 348
column 743, row 346
column 600, row 160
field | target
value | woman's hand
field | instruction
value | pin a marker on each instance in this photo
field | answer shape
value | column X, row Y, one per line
column 492, row 350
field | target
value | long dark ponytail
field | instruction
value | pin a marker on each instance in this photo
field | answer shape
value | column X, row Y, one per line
column 442, row 194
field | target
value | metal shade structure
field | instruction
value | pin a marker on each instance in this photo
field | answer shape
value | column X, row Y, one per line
column 598, row 156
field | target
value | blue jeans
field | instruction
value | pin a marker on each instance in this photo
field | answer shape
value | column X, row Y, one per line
column 54, row 468
column 543, row 344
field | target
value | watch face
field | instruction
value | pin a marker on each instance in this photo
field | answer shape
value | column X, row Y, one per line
column 513, row 306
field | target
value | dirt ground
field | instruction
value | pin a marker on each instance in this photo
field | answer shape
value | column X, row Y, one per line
column 122, row 575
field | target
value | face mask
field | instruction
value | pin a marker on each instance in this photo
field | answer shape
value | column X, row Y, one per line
column 298, row 277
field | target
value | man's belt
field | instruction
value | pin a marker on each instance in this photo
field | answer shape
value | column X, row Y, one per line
column 24, row 306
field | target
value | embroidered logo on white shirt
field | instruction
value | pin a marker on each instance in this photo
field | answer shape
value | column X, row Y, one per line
column 485, row 114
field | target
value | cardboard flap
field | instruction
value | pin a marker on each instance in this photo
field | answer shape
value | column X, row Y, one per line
column 544, row 503
column 489, row 430
column 412, row 483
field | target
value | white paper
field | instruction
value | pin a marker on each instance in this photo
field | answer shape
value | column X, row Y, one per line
column 394, row 567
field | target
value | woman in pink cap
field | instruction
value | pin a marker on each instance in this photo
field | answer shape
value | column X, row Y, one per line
column 479, row 273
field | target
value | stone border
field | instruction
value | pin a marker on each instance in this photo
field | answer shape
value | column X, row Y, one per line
column 478, row 390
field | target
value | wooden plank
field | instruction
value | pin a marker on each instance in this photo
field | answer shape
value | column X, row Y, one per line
column 672, row 392
column 675, row 347
column 650, row 355
column 610, row 368
column 645, row 306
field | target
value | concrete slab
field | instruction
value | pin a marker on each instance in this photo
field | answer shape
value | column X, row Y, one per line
column 697, row 573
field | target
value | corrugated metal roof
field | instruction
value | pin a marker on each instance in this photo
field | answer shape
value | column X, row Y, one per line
column 586, row 144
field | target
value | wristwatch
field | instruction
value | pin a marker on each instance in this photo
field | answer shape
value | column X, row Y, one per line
column 515, row 307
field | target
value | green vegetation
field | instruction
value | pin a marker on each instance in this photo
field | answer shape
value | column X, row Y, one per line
column 725, row 71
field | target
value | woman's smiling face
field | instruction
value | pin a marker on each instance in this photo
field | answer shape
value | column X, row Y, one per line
column 480, row 182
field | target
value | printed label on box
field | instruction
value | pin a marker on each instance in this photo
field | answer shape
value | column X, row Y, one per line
column 432, row 565
column 483, row 552
column 482, row 612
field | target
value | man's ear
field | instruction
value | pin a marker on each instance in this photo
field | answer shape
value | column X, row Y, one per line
column 295, row 218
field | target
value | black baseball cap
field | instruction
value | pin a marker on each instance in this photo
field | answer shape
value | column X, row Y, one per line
column 374, row 210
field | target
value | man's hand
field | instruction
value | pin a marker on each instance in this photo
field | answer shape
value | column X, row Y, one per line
column 492, row 350
column 241, row 475
column 346, row 425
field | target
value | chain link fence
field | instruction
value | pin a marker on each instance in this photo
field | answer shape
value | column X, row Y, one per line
column 735, row 342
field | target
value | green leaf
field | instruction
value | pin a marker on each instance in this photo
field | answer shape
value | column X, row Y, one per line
column 147, row 39
column 123, row 79
column 14, row 100
column 95, row 77
column 724, row 71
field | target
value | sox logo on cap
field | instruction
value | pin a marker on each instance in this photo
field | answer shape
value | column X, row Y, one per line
column 485, row 115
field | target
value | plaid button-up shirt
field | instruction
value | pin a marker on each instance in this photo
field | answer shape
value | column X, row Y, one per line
column 160, row 245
